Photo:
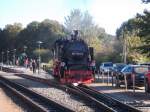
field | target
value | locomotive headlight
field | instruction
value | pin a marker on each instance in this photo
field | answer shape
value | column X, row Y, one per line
column 62, row 64
column 75, row 84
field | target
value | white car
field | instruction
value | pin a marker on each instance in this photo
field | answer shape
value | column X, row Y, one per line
column 106, row 67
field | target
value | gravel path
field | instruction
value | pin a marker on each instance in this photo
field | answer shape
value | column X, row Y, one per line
column 51, row 92
column 6, row 104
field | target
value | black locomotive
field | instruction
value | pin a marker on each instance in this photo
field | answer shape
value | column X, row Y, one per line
column 73, row 60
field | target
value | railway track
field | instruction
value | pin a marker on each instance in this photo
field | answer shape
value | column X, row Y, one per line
column 93, row 98
column 96, row 106
column 38, row 102
column 112, row 103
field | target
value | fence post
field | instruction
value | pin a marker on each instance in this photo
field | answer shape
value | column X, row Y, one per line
column 125, row 79
column 116, row 81
column 112, row 75
column 133, row 77
column 98, row 77
column 107, row 77
column 102, row 77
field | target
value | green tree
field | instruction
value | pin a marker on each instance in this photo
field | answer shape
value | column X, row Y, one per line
column 144, row 32
column 10, row 33
column 146, row 1
column 28, row 37
column 46, row 31
column 135, row 32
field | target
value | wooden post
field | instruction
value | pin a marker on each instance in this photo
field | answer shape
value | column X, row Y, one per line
column 133, row 77
column 102, row 77
column 107, row 77
column 125, row 79
column 98, row 76
column 112, row 78
column 116, row 80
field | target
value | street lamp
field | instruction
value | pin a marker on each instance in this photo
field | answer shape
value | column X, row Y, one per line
column 2, row 57
column 7, row 57
column 2, row 60
column 39, row 59
column 25, row 47
column 14, row 56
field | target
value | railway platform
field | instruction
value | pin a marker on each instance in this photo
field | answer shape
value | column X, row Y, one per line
column 40, row 74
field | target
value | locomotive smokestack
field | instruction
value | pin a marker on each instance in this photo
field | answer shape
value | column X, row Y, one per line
column 74, row 35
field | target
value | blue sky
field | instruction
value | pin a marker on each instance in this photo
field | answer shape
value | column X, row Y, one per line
column 108, row 14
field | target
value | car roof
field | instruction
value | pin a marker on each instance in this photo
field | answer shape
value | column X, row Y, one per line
column 106, row 62
column 119, row 64
column 148, row 63
column 135, row 65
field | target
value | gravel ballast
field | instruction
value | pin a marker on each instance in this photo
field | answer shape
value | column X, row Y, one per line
column 51, row 92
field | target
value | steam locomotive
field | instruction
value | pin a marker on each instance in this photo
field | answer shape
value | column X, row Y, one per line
column 73, row 60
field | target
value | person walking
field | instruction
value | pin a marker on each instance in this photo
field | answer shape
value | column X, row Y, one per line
column 26, row 63
column 30, row 64
column 17, row 62
column 34, row 66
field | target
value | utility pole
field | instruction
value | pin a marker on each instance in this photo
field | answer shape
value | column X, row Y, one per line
column 2, row 60
column 24, row 49
column 14, row 56
column 7, row 57
column 124, row 49
column 39, row 59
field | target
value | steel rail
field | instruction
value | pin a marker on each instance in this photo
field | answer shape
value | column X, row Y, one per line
column 83, row 96
column 100, row 100
column 37, row 101
column 111, row 102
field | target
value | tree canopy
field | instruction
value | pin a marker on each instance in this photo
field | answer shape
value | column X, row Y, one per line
column 146, row 1
column 136, row 32
column 144, row 31
column 16, row 37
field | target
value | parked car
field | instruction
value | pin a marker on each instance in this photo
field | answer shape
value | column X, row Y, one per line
column 128, row 71
column 147, row 64
column 106, row 67
column 147, row 80
column 117, row 67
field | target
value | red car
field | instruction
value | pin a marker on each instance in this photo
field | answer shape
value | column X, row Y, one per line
column 147, row 82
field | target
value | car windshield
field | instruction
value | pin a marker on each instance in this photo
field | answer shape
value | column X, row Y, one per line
column 108, row 64
column 141, row 69
column 127, row 69
column 120, row 67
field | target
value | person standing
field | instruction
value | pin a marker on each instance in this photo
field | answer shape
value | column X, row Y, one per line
column 31, row 64
column 34, row 66
column 17, row 62
column 93, row 65
column 26, row 63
